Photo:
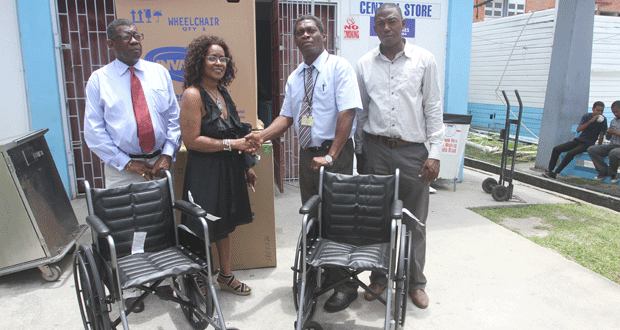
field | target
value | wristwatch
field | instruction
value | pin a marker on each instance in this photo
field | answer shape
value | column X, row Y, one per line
column 329, row 160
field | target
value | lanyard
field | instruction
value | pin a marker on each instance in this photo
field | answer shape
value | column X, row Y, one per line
column 311, row 96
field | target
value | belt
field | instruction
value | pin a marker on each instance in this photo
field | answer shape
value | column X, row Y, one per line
column 147, row 156
column 390, row 142
column 324, row 146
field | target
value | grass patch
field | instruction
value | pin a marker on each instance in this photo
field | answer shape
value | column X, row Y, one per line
column 583, row 233
column 585, row 182
column 526, row 153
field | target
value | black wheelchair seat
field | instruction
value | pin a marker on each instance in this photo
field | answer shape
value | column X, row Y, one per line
column 141, row 268
column 367, row 257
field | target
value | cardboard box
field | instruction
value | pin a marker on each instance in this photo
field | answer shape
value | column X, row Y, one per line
column 252, row 245
column 169, row 26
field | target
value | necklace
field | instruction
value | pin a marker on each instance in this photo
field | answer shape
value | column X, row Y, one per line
column 217, row 99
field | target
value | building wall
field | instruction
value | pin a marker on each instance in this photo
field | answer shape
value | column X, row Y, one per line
column 12, row 80
column 500, row 62
column 530, row 5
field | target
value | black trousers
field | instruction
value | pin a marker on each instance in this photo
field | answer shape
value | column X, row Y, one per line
column 572, row 149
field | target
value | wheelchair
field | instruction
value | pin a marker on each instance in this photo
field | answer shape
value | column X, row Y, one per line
column 138, row 244
column 359, row 228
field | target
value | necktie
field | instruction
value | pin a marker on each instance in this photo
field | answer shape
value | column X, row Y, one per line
column 305, row 132
column 146, row 135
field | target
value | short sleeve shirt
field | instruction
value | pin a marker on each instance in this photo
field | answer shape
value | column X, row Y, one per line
column 593, row 131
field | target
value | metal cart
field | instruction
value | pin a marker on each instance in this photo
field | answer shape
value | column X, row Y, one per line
column 490, row 185
column 37, row 224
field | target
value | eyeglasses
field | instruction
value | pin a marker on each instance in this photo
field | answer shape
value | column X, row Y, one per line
column 127, row 37
column 222, row 59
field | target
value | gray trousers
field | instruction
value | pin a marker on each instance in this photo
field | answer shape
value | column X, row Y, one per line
column 598, row 153
column 381, row 159
column 309, row 186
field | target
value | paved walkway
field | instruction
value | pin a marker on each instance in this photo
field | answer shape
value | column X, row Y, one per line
column 481, row 276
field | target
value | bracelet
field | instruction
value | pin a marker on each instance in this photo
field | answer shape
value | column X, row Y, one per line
column 128, row 165
column 226, row 143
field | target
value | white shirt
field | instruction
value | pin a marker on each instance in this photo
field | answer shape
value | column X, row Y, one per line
column 110, row 129
column 335, row 90
column 401, row 98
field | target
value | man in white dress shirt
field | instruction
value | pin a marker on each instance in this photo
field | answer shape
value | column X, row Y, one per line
column 402, row 110
column 134, row 145
column 110, row 125
column 321, row 99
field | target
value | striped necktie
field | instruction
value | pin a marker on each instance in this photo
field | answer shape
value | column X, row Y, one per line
column 305, row 132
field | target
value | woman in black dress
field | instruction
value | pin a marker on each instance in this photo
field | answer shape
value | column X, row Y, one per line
column 216, row 173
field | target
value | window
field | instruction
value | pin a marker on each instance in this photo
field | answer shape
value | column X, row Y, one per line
column 495, row 9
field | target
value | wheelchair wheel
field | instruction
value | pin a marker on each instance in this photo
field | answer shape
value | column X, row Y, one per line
column 500, row 193
column 488, row 184
column 402, row 278
column 192, row 287
column 309, row 304
column 90, row 291
column 312, row 326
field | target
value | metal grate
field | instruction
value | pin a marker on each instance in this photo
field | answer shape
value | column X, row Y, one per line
column 291, row 57
column 84, row 49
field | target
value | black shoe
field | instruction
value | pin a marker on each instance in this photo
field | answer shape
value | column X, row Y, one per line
column 339, row 301
column 130, row 301
column 549, row 174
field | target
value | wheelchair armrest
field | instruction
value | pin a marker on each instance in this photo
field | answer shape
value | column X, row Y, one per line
column 310, row 205
column 397, row 209
column 189, row 208
column 98, row 226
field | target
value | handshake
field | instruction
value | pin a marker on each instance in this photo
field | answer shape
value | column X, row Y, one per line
column 250, row 143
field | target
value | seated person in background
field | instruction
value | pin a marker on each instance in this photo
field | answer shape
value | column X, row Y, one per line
column 591, row 127
column 598, row 153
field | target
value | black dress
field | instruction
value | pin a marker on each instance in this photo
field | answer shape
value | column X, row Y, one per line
column 217, row 180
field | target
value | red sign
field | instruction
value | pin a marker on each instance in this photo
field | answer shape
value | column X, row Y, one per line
column 351, row 30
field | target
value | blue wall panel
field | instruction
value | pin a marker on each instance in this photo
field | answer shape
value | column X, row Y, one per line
column 37, row 40
column 492, row 117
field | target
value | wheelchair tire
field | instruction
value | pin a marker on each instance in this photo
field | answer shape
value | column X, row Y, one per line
column 89, row 289
column 402, row 278
column 500, row 193
column 312, row 326
column 309, row 306
column 191, row 289
column 488, row 184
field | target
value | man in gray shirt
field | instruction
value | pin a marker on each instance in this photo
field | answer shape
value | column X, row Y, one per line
column 598, row 152
column 401, row 99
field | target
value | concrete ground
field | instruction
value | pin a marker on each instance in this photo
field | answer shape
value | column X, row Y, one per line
column 480, row 276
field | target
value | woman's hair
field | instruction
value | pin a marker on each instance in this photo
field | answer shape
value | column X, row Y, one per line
column 195, row 61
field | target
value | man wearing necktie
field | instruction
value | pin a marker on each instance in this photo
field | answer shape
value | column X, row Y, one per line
column 131, row 120
column 321, row 99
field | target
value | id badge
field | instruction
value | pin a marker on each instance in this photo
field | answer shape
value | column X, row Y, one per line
column 307, row 120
